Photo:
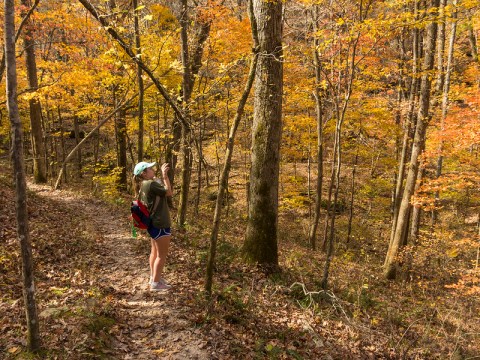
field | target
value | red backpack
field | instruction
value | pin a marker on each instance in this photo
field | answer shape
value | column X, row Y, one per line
column 140, row 214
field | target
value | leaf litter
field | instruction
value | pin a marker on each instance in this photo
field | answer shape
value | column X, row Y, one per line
column 94, row 302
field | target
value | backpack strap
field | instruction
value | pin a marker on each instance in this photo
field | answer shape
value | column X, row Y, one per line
column 155, row 205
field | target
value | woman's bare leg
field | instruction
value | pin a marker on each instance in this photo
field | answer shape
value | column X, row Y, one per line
column 161, row 246
column 153, row 256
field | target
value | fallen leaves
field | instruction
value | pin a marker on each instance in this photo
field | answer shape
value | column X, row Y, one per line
column 93, row 299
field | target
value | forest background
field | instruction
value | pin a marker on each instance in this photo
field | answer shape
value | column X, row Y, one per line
column 371, row 245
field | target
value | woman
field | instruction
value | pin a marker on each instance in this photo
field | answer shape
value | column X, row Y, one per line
column 153, row 193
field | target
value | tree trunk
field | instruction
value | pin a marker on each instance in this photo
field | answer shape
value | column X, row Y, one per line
column 446, row 89
column 122, row 149
column 329, row 202
column 62, row 144
column 33, row 336
column 199, row 170
column 407, row 128
column 334, row 183
column 187, row 86
column 139, row 81
column 191, row 66
column 440, row 50
column 38, row 146
column 228, row 155
column 185, row 175
column 172, row 149
column 473, row 43
column 340, row 110
column 260, row 244
column 76, row 127
column 352, row 197
column 416, row 211
column 417, row 148
column 319, row 115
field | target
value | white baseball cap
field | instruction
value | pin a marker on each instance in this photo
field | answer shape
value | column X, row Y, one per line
column 141, row 166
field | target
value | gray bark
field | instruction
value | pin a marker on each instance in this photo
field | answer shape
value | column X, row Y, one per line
column 260, row 244
column 122, row 148
column 33, row 336
column 352, row 197
column 192, row 62
column 446, row 89
column 38, row 146
column 416, row 212
column 409, row 124
column 340, row 109
column 319, row 115
column 62, row 143
column 76, row 129
column 187, row 87
column 417, row 148
column 473, row 43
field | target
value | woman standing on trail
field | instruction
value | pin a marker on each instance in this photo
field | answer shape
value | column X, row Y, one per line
column 153, row 193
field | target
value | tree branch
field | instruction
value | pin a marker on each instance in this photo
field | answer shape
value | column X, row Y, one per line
column 163, row 91
column 108, row 117
column 17, row 35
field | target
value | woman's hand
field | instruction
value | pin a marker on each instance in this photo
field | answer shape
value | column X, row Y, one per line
column 165, row 168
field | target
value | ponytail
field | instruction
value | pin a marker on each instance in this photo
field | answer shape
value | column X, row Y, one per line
column 137, row 180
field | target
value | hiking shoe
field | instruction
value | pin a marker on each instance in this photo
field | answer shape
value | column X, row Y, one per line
column 164, row 282
column 159, row 286
column 161, row 281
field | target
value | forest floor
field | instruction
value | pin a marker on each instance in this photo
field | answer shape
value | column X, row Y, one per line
column 94, row 301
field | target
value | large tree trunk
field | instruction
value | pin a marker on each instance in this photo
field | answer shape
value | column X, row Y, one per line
column 38, row 146
column 261, row 235
column 33, row 336
column 417, row 148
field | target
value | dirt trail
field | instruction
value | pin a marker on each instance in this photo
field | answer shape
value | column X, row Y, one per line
column 150, row 325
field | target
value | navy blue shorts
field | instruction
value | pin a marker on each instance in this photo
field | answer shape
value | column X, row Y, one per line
column 156, row 233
